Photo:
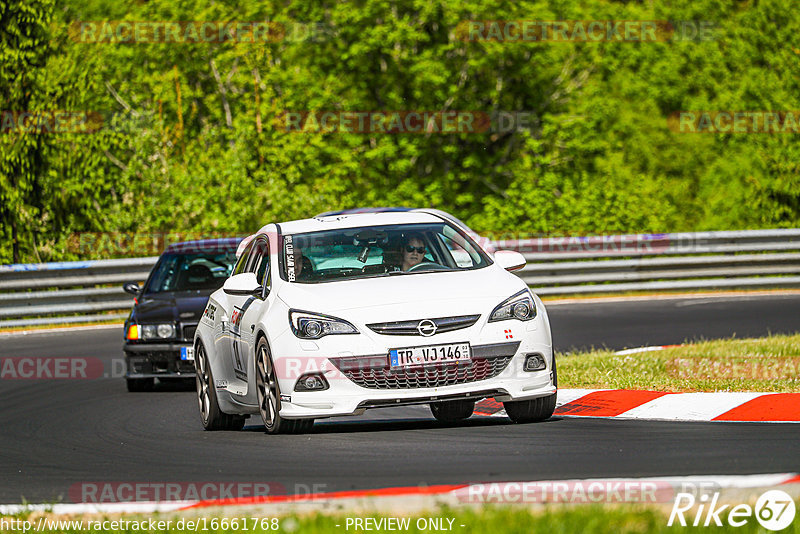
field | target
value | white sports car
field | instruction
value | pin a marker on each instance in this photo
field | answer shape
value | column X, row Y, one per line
column 333, row 315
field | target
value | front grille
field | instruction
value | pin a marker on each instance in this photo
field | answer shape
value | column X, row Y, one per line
column 159, row 362
column 430, row 377
column 373, row 372
column 188, row 331
column 409, row 328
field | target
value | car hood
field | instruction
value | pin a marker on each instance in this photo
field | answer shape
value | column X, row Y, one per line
column 435, row 294
column 171, row 307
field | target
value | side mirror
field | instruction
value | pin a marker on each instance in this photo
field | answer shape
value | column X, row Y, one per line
column 243, row 285
column 510, row 260
column 131, row 287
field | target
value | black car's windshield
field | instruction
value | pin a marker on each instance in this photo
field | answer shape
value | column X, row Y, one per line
column 378, row 251
column 187, row 272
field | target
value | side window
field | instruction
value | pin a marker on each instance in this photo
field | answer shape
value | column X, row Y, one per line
column 462, row 258
column 260, row 264
column 240, row 265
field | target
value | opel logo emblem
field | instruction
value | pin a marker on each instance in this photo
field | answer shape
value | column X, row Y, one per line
column 426, row 328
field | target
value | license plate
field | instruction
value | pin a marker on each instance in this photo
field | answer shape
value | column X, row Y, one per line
column 430, row 355
column 187, row 354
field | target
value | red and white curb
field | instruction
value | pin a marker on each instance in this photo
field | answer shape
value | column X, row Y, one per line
column 647, row 489
column 662, row 406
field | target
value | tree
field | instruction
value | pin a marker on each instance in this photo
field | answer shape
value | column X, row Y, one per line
column 24, row 49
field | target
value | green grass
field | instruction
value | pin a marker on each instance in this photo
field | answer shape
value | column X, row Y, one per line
column 761, row 364
column 553, row 519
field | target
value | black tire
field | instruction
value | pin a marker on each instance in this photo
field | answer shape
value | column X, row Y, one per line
column 531, row 411
column 210, row 415
column 269, row 396
column 137, row 385
column 452, row 411
column 555, row 371
column 534, row 410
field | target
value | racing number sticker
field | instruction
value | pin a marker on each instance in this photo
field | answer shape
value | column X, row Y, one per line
column 236, row 337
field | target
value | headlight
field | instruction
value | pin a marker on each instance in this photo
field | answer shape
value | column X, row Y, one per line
column 307, row 325
column 151, row 331
column 519, row 306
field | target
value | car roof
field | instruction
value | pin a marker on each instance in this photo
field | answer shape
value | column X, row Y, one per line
column 219, row 245
column 351, row 211
column 356, row 220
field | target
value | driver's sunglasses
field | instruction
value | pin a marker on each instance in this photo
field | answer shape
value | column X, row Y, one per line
column 409, row 248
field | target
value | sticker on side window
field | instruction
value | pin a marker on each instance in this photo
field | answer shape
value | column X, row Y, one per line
column 289, row 249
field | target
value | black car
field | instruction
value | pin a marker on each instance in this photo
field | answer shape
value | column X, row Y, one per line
column 160, row 329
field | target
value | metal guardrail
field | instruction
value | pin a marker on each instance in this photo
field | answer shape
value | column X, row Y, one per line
column 74, row 292
column 660, row 262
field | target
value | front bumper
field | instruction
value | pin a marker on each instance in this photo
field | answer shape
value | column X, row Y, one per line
column 157, row 360
column 498, row 356
column 502, row 388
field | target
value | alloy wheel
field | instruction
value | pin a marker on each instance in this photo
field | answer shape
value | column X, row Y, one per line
column 267, row 388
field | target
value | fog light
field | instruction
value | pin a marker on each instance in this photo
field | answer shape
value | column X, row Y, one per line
column 311, row 382
column 534, row 362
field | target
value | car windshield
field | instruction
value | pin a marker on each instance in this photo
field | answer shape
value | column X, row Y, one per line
column 367, row 252
column 188, row 272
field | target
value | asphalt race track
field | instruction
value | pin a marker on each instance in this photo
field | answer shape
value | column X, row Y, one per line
column 55, row 434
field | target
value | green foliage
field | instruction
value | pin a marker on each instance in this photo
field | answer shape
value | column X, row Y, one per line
column 24, row 50
column 193, row 138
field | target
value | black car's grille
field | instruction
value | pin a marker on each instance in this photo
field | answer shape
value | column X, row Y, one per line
column 409, row 328
column 157, row 362
column 188, row 331
column 373, row 372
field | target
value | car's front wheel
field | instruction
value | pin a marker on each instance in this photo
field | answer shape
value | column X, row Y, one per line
column 212, row 417
column 452, row 411
column 269, row 396
column 534, row 410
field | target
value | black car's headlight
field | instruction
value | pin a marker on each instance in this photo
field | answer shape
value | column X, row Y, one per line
column 151, row 331
column 519, row 306
column 307, row 325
